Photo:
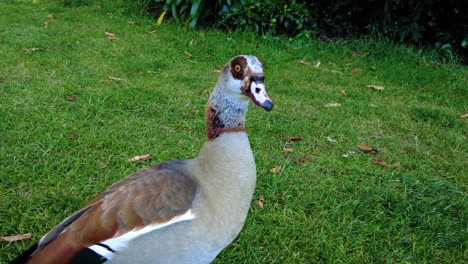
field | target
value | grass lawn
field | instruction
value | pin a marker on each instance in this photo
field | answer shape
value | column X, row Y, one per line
column 77, row 103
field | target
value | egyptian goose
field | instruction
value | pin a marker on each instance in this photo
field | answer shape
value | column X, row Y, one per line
column 179, row 211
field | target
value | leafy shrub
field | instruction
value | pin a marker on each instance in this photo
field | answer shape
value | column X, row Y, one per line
column 270, row 16
column 441, row 23
column 185, row 12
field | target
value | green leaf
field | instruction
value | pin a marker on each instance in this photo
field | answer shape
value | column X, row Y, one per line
column 446, row 47
column 195, row 8
column 174, row 12
column 194, row 13
column 161, row 18
column 464, row 43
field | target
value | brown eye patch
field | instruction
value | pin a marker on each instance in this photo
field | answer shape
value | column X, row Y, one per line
column 238, row 65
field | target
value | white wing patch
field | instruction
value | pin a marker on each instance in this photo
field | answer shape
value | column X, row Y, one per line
column 115, row 244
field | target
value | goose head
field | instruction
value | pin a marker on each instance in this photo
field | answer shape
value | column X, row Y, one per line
column 242, row 78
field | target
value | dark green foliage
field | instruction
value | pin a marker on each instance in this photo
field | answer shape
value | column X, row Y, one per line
column 267, row 17
column 186, row 12
column 443, row 24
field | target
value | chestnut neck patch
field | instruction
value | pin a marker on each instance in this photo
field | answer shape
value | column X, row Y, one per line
column 216, row 126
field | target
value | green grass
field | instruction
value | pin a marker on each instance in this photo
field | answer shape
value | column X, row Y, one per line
column 67, row 131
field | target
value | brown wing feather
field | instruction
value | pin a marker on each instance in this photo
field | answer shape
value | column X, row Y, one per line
column 152, row 195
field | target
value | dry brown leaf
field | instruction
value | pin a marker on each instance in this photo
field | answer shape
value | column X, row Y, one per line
column 343, row 92
column 303, row 160
column 332, row 105
column 95, row 51
column 111, row 36
column 463, row 116
column 115, row 79
column 102, row 164
column 347, row 154
column 376, row 87
column 360, row 53
column 275, row 170
column 288, row 149
column 303, row 62
column 356, row 70
column 292, row 139
column 51, row 16
column 317, row 64
column 410, row 149
column 205, row 93
column 153, row 31
column 29, row 50
column 327, row 170
column 15, row 238
column 373, row 67
column 70, row 98
column 335, row 71
column 46, row 24
column 379, row 162
column 217, row 71
column 261, row 201
column 189, row 56
column 367, row 148
column 140, row 158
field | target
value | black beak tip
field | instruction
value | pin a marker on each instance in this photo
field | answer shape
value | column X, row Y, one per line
column 268, row 106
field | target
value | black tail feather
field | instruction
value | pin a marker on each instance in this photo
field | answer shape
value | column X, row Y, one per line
column 89, row 257
column 85, row 256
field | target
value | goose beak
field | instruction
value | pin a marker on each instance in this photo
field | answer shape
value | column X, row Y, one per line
column 257, row 92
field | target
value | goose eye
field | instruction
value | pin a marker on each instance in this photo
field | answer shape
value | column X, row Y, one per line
column 237, row 68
